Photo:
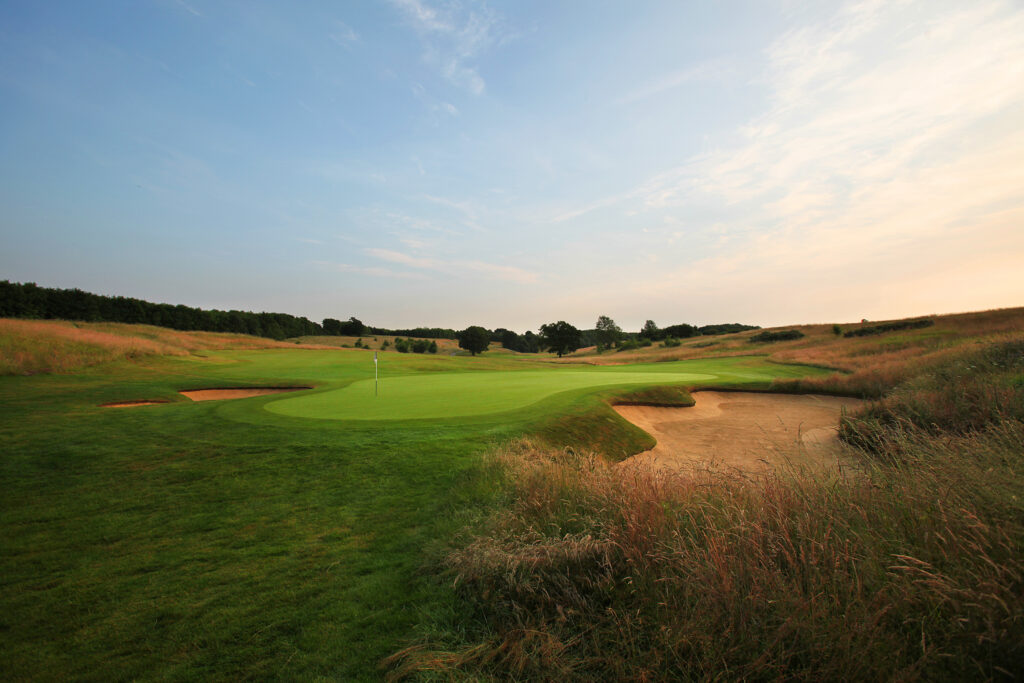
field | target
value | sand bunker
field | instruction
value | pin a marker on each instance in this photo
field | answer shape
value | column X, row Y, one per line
column 132, row 404
column 240, row 392
column 748, row 431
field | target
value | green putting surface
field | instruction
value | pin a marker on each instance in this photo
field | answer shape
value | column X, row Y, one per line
column 459, row 394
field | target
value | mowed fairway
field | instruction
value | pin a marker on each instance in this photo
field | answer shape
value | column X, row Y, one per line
column 255, row 538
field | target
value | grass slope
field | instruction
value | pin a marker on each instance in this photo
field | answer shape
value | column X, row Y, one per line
column 29, row 347
column 223, row 541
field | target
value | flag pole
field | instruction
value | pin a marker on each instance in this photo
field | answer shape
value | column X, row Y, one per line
column 375, row 376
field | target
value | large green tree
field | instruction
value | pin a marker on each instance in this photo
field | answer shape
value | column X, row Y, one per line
column 560, row 337
column 474, row 339
column 608, row 333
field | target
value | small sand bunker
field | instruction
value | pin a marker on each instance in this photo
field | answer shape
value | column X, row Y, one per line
column 132, row 404
column 239, row 392
column 744, row 430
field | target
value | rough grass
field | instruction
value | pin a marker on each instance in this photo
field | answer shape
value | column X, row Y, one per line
column 29, row 347
column 907, row 568
column 865, row 367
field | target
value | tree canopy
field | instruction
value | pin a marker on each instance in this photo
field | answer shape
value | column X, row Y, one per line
column 560, row 337
column 607, row 332
column 650, row 331
column 474, row 339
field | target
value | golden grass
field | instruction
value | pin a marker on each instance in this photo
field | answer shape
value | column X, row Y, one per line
column 40, row 346
column 866, row 366
column 598, row 573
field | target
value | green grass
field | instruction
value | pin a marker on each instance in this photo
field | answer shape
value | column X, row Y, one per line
column 225, row 541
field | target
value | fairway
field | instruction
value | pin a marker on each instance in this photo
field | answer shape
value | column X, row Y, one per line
column 458, row 394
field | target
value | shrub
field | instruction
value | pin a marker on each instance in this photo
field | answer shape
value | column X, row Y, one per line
column 671, row 342
column 888, row 327
column 628, row 345
column 782, row 335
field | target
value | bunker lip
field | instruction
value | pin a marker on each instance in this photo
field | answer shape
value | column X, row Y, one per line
column 748, row 431
column 133, row 404
column 227, row 393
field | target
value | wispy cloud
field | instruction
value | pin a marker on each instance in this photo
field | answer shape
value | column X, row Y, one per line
column 453, row 35
column 457, row 267
column 189, row 8
column 371, row 271
column 891, row 128
column 693, row 74
column 343, row 34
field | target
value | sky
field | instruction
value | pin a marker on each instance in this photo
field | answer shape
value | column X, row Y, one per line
column 508, row 164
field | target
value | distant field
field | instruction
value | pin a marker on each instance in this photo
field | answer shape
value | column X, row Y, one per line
column 376, row 341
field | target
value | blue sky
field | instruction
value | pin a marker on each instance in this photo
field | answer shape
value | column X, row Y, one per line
column 416, row 162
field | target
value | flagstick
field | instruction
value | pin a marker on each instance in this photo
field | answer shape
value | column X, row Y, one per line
column 375, row 379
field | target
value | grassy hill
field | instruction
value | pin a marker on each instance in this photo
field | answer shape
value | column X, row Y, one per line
column 30, row 347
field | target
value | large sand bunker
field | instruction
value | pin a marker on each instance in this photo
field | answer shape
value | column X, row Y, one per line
column 239, row 392
column 744, row 430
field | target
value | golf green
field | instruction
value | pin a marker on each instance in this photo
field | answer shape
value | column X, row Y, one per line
column 458, row 394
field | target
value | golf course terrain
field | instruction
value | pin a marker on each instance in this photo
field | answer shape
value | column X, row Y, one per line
column 427, row 523
column 276, row 536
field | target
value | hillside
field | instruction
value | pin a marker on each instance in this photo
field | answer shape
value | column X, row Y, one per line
column 866, row 365
column 29, row 347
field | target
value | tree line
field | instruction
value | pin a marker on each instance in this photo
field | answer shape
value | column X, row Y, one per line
column 561, row 337
column 28, row 300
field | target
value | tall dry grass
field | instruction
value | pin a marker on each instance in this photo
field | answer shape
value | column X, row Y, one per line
column 906, row 568
column 40, row 346
column 598, row 573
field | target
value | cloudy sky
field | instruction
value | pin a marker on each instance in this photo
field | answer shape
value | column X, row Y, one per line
column 419, row 162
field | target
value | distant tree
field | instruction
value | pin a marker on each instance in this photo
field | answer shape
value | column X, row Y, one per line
column 650, row 331
column 836, row 330
column 353, row 327
column 560, row 337
column 474, row 339
column 433, row 347
column 332, row 327
column 530, row 342
column 510, row 340
column 680, row 331
column 608, row 333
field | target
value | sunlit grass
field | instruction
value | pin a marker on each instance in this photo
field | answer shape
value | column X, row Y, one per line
column 907, row 567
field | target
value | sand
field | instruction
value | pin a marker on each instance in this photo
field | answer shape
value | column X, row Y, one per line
column 245, row 392
column 742, row 430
